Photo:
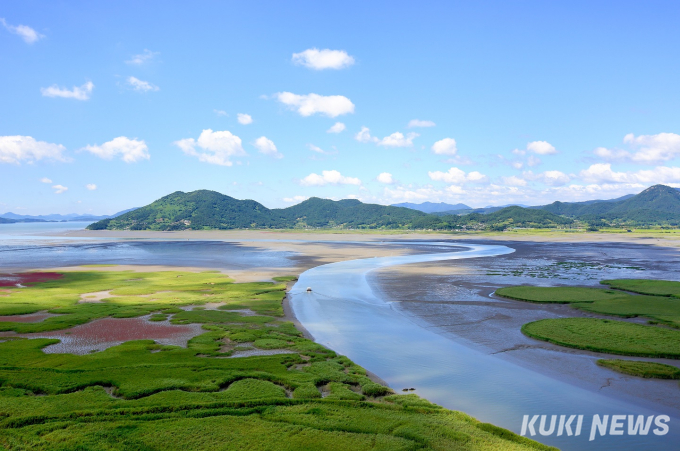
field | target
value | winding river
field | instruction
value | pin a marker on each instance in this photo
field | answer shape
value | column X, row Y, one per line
column 343, row 313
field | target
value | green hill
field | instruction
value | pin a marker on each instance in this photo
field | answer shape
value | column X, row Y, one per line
column 205, row 209
column 657, row 204
column 509, row 217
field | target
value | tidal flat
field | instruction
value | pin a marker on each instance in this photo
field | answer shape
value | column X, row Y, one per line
column 458, row 300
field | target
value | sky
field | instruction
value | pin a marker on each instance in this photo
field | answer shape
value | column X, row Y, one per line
column 106, row 106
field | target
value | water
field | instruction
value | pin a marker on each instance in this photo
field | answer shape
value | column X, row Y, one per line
column 344, row 314
column 38, row 245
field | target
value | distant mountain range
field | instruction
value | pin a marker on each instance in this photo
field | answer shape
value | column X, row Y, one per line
column 431, row 207
column 10, row 217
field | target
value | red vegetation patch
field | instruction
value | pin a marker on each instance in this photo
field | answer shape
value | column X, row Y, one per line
column 107, row 332
column 28, row 318
column 27, row 278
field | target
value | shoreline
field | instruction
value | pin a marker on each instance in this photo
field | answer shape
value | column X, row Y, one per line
column 652, row 237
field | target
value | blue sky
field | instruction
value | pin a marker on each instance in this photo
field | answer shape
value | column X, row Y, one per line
column 111, row 105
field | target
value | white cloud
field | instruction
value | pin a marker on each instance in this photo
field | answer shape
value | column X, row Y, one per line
column 457, row 176
column 58, row 189
column 446, row 146
column 141, row 85
column 15, row 149
column 385, row 177
column 418, row 123
column 78, row 92
column 654, row 148
column 309, row 104
column 329, row 178
column 45, row 180
column 513, row 180
column 91, row 186
column 553, row 178
column 142, row 58
column 267, row 147
column 323, row 59
column 364, row 136
column 602, row 173
column 336, row 128
column 218, row 147
column 129, row 150
column 220, row 112
column 244, row 119
column 28, row 34
column 541, row 148
column 397, row 139
column 296, row 199
column 648, row 149
column 317, row 149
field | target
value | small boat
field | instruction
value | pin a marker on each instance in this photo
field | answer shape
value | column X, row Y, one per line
column 309, row 289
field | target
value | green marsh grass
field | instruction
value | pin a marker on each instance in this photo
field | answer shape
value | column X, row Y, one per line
column 651, row 370
column 144, row 396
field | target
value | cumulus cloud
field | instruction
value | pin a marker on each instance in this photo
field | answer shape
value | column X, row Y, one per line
column 218, row 147
column 58, row 189
column 364, row 136
column 336, row 128
column 220, row 112
column 142, row 58
column 244, row 119
column 418, row 123
column 553, row 178
column 91, row 186
column 457, row 176
column 267, row 147
column 446, row 146
column 78, row 92
column 15, row 149
column 602, row 173
column 652, row 149
column 296, row 199
column 541, row 148
column 28, row 34
column 323, row 59
column 398, row 139
column 385, row 177
column 45, row 180
column 129, row 150
column 513, row 180
column 646, row 149
column 309, row 104
column 329, row 178
column 141, row 85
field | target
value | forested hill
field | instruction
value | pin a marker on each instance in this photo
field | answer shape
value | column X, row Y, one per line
column 204, row 209
column 657, row 204
column 211, row 210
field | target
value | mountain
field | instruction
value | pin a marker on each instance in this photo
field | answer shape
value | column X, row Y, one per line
column 205, row 209
column 657, row 204
column 13, row 221
column 506, row 218
column 58, row 217
column 431, row 207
